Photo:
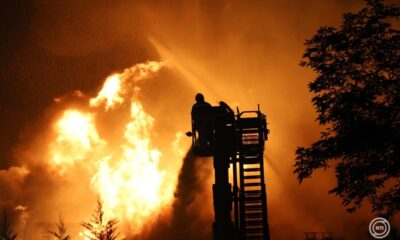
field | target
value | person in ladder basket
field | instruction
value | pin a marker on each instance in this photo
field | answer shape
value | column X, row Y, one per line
column 202, row 118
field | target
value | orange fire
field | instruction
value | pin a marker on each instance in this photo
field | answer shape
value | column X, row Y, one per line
column 119, row 85
column 77, row 139
column 127, row 178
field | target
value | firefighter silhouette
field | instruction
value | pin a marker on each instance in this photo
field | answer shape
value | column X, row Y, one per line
column 203, row 121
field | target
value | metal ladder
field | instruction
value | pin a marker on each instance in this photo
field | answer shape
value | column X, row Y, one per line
column 252, row 133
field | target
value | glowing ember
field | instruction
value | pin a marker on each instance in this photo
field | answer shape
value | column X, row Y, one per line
column 127, row 178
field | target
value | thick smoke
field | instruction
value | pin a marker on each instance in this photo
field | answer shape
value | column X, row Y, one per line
column 192, row 207
column 191, row 198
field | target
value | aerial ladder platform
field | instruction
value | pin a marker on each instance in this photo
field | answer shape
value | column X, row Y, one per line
column 236, row 143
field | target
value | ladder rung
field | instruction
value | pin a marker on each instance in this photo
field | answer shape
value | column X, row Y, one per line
column 251, row 130
column 253, row 198
column 254, row 211
column 251, row 144
column 253, row 204
column 254, row 155
column 258, row 200
column 254, row 215
column 258, row 229
column 251, row 195
column 251, row 169
column 254, row 223
column 252, row 177
column 259, row 220
column 257, row 160
column 252, row 184
column 250, row 141
column 250, row 134
column 255, row 235
column 252, row 164
column 251, row 161
column 253, row 208
column 253, row 220
column 251, row 153
column 253, row 192
column 259, row 236
column 251, row 156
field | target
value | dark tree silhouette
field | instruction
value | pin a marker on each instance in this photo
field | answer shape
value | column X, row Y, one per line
column 98, row 229
column 61, row 233
column 6, row 233
column 357, row 97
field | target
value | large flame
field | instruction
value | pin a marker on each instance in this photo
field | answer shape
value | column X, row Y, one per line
column 76, row 139
column 127, row 178
column 119, row 84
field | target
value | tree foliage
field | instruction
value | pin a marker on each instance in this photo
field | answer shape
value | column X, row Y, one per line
column 61, row 233
column 98, row 229
column 357, row 97
column 6, row 233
